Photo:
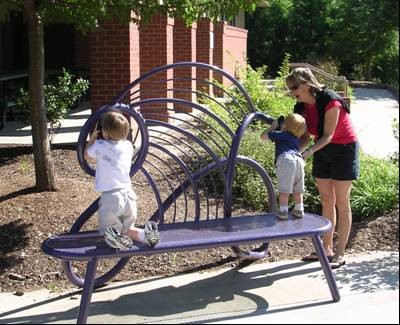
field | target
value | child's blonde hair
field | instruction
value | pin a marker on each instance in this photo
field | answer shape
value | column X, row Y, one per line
column 115, row 125
column 295, row 124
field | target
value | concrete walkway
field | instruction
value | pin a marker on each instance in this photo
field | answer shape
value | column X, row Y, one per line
column 287, row 292
column 372, row 113
column 16, row 133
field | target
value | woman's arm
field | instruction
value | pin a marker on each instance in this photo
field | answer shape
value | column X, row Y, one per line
column 304, row 140
column 330, row 123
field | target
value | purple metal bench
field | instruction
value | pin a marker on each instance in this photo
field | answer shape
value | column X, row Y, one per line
column 188, row 159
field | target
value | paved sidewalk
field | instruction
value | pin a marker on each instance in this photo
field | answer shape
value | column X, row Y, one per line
column 17, row 133
column 372, row 113
column 288, row 292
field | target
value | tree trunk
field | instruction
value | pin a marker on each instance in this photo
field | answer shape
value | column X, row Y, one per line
column 44, row 169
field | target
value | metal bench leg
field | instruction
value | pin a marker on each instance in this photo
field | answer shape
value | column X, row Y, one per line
column 3, row 116
column 87, row 291
column 326, row 267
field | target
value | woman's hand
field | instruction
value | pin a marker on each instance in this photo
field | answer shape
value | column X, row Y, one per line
column 307, row 153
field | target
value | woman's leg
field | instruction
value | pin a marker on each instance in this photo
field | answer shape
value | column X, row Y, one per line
column 342, row 190
column 327, row 193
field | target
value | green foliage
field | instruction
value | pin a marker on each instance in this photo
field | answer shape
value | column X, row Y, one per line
column 377, row 189
column 267, row 47
column 247, row 184
column 59, row 98
column 362, row 37
column 395, row 127
column 273, row 102
column 86, row 15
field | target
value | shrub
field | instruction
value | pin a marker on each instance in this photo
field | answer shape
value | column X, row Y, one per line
column 395, row 128
column 59, row 99
column 377, row 189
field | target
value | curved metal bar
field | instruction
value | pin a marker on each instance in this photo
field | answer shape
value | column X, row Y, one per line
column 191, row 137
column 188, row 175
column 233, row 154
column 200, row 158
column 85, row 215
column 167, row 179
column 201, row 173
column 189, row 104
column 154, row 71
column 221, row 149
column 224, row 161
column 190, row 158
column 198, row 93
column 160, row 210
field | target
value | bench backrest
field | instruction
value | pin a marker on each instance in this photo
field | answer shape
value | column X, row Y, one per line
column 184, row 147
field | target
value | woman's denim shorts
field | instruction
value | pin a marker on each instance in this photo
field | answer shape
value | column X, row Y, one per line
column 337, row 161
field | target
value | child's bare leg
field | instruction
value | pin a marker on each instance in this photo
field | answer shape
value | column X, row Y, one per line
column 149, row 235
column 298, row 210
column 136, row 234
column 283, row 201
column 298, row 198
column 283, row 205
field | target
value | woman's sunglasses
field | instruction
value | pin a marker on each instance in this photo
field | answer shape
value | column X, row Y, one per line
column 293, row 88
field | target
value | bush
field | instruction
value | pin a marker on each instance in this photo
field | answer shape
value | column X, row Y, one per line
column 395, row 128
column 59, row 98
column 273, row 102
column 377, row 189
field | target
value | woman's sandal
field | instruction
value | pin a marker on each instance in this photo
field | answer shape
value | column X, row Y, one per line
column 337, row 262
column 312, row 257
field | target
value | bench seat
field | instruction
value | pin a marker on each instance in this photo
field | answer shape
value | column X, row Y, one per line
column 192, row 235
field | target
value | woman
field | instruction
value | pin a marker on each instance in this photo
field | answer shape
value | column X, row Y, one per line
column 335, row 151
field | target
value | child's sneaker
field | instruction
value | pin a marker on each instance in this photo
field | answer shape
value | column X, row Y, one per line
column 151, row 233
column 282, row 215
column 115, row 240
column 297, row 213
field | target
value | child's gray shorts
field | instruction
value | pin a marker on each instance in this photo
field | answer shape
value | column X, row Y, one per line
column 290, row 173
column 117, row 208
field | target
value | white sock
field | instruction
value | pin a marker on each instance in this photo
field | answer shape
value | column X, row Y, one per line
column 284, row 208
column 142, row 236
column 299, row 206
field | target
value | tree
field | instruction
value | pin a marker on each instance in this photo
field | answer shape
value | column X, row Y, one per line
column 268, row 30
column 86, row 15
column 363, row 31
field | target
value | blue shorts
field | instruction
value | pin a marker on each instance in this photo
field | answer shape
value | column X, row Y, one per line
column 337, row 161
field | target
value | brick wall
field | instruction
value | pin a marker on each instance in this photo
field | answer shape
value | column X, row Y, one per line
column 230, row 50
column 184, row 51
column 204, row 52
column 114, row 61
column 156, row 49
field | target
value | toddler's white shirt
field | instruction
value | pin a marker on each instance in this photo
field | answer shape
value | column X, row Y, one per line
column 113, row 163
